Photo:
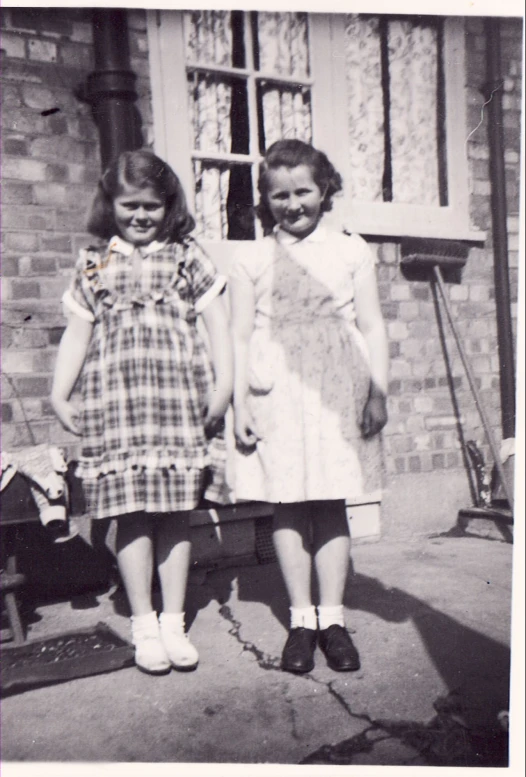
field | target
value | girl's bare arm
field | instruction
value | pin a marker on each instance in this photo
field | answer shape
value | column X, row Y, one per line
column 242, row 302
column 71, row 354
column 216, row 323
column 370, row 322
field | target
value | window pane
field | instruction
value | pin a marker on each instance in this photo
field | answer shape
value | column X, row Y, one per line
column 285, row 112
column 365, row 107
column 208, row 37
column 413, row 57
column 395, row 110
column 223, row 201
column 281, row 43
column 218, row 113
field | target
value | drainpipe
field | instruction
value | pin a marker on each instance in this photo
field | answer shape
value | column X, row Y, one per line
column 499, row 227
column 110, row 88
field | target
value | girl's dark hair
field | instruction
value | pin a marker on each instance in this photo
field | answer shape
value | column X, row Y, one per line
column 141, row 169
column 291, row 153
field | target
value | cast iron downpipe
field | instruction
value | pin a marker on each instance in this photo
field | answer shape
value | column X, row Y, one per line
column 110, row 89
column 499, row 227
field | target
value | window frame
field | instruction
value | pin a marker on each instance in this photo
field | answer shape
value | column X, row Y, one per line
column 329, row 126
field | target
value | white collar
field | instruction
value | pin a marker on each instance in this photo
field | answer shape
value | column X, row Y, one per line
column 318, row 235
column 123, row 247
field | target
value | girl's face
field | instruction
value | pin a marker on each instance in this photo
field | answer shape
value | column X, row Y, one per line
column 294, row 199
column 139, row 214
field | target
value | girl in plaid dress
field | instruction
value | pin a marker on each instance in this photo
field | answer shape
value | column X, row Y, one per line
column 153, row 399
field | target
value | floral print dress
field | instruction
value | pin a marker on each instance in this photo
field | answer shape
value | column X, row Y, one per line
column 147, row 376
column 308, row 370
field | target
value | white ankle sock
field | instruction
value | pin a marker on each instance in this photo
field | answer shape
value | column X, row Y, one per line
column 330, row 616
column 174, row 621
column 303, row 617
column 148, row 619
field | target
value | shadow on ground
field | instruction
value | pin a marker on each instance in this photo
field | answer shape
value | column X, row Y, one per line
column 468, row 728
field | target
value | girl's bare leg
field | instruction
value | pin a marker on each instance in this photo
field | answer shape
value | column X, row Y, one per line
column 331, row 544
column 173, row 550
column 291, row 541
column 331, row 548
column 135, row 559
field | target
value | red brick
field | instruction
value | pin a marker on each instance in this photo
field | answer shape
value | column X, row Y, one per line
column 58, row 124
column 15, row 436
column 56, row 243
column 41, row 50
column 15, row 146
column 9, row 267
column 400, row 464
column 55, row 193
column 415, row 464
column 7, row 412
column 6, row 337
column 44, row 361
column 76, row 55
column 55, row 21
column 57, row 172
column 395, row 387
column 394, row 349
column 27, row 19
column 25, row 289
column 29, row 337
column 33, row 386
column 16, row 193
column 57, row 147
column 55, row 335
column 21, row 242
column 43, row 265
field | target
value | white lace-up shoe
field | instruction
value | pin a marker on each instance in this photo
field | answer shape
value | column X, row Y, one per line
column 150, row 654
column 182, row 654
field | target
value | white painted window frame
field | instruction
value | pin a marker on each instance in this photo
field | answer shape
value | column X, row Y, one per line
column 327, row 52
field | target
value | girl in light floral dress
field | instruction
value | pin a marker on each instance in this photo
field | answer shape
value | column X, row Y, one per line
column 310, row 384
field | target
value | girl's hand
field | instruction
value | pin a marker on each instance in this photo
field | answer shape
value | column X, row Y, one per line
column 67, row 413
column 374, row 416
column 217, row 407
column 246, row 437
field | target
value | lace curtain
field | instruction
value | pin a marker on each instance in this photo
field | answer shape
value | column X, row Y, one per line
column 219, row 114
column 412, row 55
column 283, row 50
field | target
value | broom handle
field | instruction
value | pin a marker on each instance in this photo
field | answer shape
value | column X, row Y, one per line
column 473, row 385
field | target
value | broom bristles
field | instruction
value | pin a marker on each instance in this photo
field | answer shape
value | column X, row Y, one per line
column 427, row 253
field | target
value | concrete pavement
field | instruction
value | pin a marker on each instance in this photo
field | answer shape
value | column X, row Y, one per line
column 430, row 617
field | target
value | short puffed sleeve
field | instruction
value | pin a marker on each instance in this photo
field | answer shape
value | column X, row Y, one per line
column 251, row 260
column 363, row 260
column 241, row 269
column 79, row 298
column 206, row 283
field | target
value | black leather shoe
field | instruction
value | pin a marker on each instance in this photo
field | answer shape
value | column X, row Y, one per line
column 339, row 650
column 298, row 653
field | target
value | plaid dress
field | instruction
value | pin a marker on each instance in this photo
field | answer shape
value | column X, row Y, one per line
column 146, row 378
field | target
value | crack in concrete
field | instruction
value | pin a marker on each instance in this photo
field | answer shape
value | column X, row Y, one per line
column 440, row 742
column 264, row 660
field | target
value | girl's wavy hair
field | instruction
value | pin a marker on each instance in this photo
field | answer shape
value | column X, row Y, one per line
column 140, row 169
column 291, row 153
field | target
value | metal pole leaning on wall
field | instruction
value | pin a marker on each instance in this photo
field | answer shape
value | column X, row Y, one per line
column 499, row 227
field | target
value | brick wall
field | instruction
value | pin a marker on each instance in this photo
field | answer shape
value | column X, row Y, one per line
column 422, row 435
column 50, row 164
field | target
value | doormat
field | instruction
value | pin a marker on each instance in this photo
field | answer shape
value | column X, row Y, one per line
column 63, row 657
